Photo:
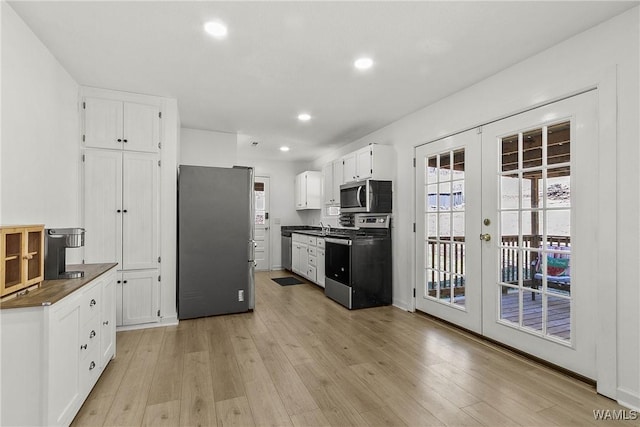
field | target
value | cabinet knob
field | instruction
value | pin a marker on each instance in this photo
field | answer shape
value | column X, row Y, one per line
column 124, row 210
column 106, row 322
column 92, row 365
column 124, row 140
column 119, row 140
column 92, row 334
column 124, row 281
column 83, row 347
column 119, row 281
column 119, row 210
column 92, row 303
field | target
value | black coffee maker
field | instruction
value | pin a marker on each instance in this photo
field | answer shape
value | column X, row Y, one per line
column 57, row 240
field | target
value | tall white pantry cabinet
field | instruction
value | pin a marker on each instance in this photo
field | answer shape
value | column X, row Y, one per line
column 121, row 141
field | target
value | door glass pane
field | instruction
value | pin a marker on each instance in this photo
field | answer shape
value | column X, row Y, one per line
column 532, row 310
column 535, row 230
column 259, row 203
column 445, row 227
column 532, row 149
column 558, row 317
column 509, row 304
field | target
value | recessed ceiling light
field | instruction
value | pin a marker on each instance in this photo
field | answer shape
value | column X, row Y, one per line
column 216, row 28
column 284, row 148
column 363, row 63
column 304, row 117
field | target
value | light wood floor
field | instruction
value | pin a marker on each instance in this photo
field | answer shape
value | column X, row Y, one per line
column 301, row 359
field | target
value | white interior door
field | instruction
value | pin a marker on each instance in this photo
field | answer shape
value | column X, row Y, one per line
column 261, row 226
column 447, row 228
column 539, row 199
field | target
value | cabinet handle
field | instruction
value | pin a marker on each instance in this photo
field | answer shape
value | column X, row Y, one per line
column 92, row 365
column 92, row 303
column 83, row 347
column 106, row 322
column 92, row 334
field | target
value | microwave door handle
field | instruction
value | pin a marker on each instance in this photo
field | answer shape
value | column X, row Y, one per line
column 358, row 196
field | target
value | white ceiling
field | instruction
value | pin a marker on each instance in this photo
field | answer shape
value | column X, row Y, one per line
column 281, row 58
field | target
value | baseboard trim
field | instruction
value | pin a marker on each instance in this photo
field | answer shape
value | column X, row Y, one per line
column 628, row 399
column 166, row 321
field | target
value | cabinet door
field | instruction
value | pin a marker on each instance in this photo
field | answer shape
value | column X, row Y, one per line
column 108, row 319
column 320, row 267
column 327, row 184
column 337, row 180
column 64, row 390
column 295, row 257
column 103, row 123
column 301, row 191
column 364, row 163
column 102, row 201
column 140, row 297
column 141, row 127
column 304, row 260
column 349, row 168
column 139, row 211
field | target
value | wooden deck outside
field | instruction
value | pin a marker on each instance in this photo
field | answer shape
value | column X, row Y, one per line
column 558, row 318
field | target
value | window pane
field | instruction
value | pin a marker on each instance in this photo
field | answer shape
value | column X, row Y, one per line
column 509, row 304
column 509, row 191
column 509, row 153
column 532, row 149
column 559, row 317
column 558, row 143
column 532, row 310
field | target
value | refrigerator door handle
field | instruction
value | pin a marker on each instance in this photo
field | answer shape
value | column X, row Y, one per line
column 252, row 250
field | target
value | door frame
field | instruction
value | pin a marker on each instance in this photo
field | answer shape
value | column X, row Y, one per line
column 606, row 84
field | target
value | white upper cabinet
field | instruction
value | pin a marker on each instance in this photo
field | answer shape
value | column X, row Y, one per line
column 119, row 125
column 308, row 188
column 332, row 179
column 373, row 161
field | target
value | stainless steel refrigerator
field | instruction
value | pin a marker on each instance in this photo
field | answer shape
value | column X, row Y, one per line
column 215, row 241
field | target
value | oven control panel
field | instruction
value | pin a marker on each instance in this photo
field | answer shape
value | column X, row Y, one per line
column 372, row 220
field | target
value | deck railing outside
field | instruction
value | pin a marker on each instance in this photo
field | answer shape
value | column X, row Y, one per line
column 508, row 260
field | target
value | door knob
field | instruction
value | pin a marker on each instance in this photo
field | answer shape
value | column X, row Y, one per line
column 486, row 237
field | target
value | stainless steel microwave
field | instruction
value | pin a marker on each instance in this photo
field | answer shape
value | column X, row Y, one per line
column 370, row 196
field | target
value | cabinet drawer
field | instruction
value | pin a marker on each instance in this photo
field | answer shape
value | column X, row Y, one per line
column 90, row 302
column 312, row 261
column 311, row 273
column 298, row 237
column 89, row 370
column 312, row 251
column 89, row 337
column 320, row 243
column 311, row 240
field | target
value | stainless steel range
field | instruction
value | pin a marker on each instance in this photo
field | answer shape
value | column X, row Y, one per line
column 358, row 263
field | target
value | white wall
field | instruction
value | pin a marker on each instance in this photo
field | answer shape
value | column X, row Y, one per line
column 40, row 153
column 575, row 64
column 208, row 148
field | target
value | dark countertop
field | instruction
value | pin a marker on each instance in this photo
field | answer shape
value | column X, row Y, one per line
column 52, row 291
column 311, row 230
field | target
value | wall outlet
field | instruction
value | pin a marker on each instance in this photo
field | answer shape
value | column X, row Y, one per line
column 241, row 295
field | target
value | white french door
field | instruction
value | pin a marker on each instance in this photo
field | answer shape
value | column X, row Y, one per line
column 529, row 252
column 448, row 249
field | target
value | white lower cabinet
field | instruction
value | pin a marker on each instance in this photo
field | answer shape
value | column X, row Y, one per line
column 139, row 294
column 306, row 259
column 53, row 354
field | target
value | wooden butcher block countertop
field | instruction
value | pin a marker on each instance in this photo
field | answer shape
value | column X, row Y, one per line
column 52, row 291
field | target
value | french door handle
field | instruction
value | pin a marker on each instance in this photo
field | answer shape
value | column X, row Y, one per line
column 486, row 237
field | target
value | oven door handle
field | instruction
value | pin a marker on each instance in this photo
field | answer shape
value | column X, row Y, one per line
column 344, row 242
